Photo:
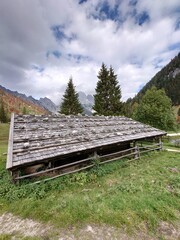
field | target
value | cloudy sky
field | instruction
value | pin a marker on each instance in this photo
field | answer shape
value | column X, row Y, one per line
column 44, row 42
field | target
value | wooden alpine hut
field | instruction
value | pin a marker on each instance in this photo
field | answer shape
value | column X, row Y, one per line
column 55, row 145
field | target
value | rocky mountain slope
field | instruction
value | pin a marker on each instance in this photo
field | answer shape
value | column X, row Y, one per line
column 43, row 103
column 19, row 105
column 48, row 104
column 87, row 102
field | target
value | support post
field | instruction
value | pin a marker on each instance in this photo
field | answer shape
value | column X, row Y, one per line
column 95, row 158
column 95, row 155
column 15, row 174
column 160, row 144
column 136, row 150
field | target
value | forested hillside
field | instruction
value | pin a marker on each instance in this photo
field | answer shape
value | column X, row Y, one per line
column 169, row 79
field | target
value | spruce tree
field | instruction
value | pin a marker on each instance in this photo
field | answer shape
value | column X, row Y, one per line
column 108, row 93
column 3, row 117
column 70, row 104
column 115, row 105
column 24, row 111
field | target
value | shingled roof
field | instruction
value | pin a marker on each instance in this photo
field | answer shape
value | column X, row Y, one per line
column 36, row 138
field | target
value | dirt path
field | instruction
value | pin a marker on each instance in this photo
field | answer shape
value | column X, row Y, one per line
column 10, row 224
column 173, row 134
column 19, row 228
column 172, row 150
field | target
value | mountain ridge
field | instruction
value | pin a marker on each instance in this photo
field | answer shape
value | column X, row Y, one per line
column 168, row 78
column 49, row 107
column 43, row 105
column 18, row 105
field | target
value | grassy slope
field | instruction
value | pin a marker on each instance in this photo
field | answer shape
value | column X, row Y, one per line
column 4, row 131
column 133, row 195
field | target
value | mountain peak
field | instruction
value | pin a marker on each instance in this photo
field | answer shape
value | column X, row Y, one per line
column 48, row 104
column 86, row 99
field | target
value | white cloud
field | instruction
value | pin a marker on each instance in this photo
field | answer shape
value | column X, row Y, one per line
column 54, row 81
column 135, row 51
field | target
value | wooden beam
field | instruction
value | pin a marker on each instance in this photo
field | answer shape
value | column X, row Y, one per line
column 9, row 162
column 115, row 153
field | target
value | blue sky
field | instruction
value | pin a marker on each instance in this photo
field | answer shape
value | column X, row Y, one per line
column 43, row 43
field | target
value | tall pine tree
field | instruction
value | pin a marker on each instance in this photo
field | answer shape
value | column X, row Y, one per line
column 70, row 104
column 115, row 105
column 108, row 93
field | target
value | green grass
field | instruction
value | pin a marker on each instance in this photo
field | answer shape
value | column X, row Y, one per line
column 10, row 237
column 4, row 130
column 122, row 194
column 5, row 237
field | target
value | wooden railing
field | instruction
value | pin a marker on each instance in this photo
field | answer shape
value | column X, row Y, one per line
column 86, row 163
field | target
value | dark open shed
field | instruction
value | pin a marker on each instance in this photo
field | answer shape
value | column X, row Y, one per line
column 41, row 145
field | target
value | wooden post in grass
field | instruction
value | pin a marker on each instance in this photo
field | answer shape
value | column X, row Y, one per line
column 136, row 150
column 95, row 155
column 15, row 174
column 160, row 143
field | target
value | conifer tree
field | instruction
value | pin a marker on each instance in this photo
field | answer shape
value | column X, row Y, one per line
column 115, row 105
column 24, row 111
column 70, row 104
column 108, row 93
column 3, row 117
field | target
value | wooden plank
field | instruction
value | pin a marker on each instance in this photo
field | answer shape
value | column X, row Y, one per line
column 117, row 158
column 9, row 162
column 115, row 153
column 153, row 149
